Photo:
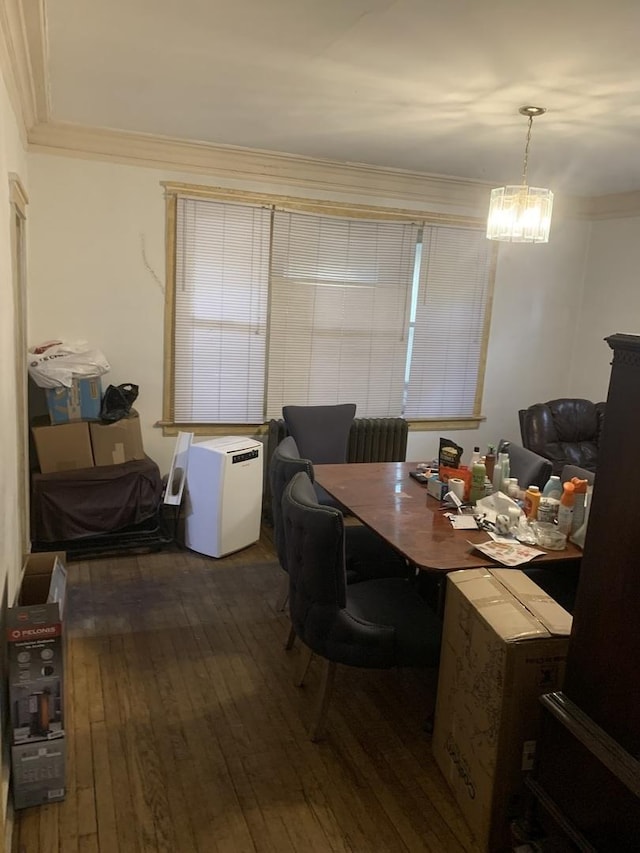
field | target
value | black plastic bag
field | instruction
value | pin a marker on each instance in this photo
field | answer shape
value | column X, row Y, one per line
column 117, row 402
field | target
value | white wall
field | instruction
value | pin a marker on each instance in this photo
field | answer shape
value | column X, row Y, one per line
column 12, row 159
column 611, row 302
column 89, row 278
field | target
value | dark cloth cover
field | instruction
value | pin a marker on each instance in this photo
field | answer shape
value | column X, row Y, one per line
column 92, row 501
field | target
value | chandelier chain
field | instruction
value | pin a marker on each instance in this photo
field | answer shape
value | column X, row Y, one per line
column 526, row 153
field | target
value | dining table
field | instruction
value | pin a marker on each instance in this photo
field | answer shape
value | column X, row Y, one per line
column 388, row 500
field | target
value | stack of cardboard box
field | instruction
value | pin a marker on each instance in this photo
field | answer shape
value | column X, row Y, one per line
column 36, row 682
column 75, row 438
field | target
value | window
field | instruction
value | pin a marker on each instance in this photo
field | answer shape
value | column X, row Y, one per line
column 269, row 305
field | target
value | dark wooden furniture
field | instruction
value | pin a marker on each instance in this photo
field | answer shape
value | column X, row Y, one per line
column 587, row 777
column 383, row 496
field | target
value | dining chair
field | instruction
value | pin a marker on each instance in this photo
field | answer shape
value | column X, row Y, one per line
column 375, row 624
column 528, row 467
column 367, row 555
column 321, row 432
column 322, row 436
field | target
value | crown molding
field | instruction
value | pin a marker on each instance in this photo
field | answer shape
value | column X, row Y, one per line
column 618, row 206
column 23, row 60
column 269, row 168
column 257, row 166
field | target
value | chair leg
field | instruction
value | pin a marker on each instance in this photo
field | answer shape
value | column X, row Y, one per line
column 305, row 661
column 283, row 598
column 322, row 708
column 290, row 639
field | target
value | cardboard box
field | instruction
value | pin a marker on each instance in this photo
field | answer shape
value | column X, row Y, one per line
column 36, row 651
column 117, row 442
column 38, row 773
column 80, row 402
column 504, row 644
column 436, row 488
column 63, row 447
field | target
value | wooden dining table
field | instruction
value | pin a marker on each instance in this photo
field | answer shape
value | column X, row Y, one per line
column 383, row 496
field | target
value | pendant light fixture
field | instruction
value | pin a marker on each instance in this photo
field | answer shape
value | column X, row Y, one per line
column 521, row 214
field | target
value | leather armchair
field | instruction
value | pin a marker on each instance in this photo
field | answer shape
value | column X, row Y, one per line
column 566, row 431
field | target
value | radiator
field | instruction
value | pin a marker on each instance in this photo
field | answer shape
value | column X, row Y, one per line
column 370, row 439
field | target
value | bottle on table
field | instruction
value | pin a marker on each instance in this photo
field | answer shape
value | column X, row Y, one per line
column 478, row 475
column 531, row 502
column 475, row 457
column 497, row 476
column 580, row 493
column 490, row 461
column 553, row 488
column 505, row 466
column 565, row 509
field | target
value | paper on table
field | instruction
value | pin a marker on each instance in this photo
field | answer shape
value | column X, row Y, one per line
column 508, row 553
column 463, row 522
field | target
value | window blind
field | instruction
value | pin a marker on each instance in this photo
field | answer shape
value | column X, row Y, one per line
column 340, row 303
column 220, row 315
column 449, row 324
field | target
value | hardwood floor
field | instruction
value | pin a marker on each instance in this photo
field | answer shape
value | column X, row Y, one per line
column 185, row 731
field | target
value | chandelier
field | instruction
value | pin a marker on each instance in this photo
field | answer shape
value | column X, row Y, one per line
column 521, row 214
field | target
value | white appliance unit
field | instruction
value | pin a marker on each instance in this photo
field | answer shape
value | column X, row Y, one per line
column 224, row 495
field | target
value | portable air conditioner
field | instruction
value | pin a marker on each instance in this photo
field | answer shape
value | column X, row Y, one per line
column 224, row 495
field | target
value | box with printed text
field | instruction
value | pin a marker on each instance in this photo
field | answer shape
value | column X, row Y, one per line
column 504, row 644
column 36, row 650
column 80, row 402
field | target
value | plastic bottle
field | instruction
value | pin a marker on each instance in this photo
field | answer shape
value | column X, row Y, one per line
column 497, row 476
column 478, row 474
column 504, row 457
column 490, row 461
column 475, row 457
column 531, row 502
column 553, row 488
column 580, row 493
column 565, row 510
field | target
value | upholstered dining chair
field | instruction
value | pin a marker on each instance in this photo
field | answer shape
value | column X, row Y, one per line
column 367, row 556
column 528, row 467
column 322, row 436
column 376, row 624
column 321, row 432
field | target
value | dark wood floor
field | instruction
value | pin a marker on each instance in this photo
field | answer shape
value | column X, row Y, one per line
column 186, row 733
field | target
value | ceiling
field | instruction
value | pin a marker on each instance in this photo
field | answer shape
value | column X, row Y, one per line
column 423, row 85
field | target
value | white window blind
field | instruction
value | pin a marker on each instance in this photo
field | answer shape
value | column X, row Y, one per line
column 339, row 312
column 449, row 328
column 220, row 315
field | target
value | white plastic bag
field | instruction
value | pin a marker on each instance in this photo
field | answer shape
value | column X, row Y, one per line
column 56, row 363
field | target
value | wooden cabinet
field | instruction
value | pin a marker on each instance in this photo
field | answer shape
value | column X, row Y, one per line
column 587, row 777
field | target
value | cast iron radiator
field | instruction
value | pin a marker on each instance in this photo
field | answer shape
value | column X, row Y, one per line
column 370, row 440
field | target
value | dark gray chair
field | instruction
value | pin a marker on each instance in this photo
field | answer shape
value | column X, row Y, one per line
column 322, row 436
column 367, row 555
column 529, row 468
column 375, row 624
column 321, row 432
